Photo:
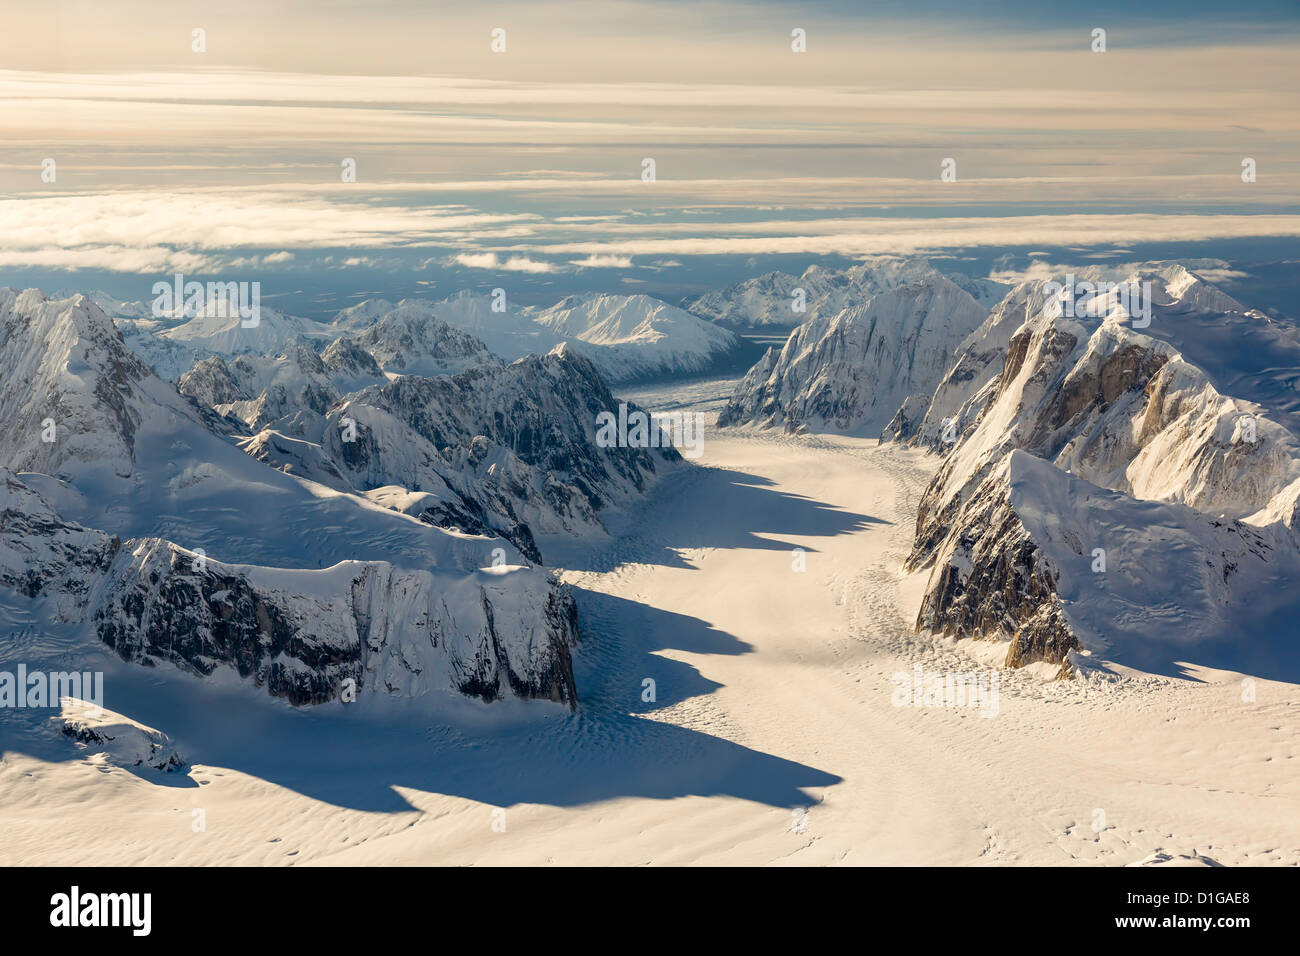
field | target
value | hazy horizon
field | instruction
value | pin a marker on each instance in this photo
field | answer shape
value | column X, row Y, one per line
column 525, row 166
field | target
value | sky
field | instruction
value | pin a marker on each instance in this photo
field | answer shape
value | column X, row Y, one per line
column 133, row 147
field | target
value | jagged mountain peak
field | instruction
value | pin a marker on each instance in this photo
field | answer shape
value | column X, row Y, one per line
column 1068, row 437
column 410, row 339
column 849, row 371
column 1119, row 407
column 72, row 391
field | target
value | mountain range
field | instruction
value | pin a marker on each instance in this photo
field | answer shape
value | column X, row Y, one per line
column 305, row 519
column 628, row 338
column 1098, row 491
column 780, row 300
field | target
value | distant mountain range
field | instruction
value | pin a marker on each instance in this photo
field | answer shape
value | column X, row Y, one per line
column 628, row 338
column 780, row 300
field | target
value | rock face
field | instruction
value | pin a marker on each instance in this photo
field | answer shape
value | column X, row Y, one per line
column 907, row 419
column 851, row 371
column 42, row 548
column 991, row 578
column 1185, row 486
column 768, row 301
column 258, row 390
column 541, row 409
column 957, row 396
column 1058, row 564
column 1242, row 352
column 301, row 634
column 1122, row 409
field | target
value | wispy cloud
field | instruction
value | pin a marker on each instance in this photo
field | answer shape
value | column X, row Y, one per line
column 603, row 262
column 490, row 260
column 282, row 227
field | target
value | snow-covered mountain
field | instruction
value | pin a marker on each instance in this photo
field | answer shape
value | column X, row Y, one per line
column 259, row 390
column 132, row 520
column 633, row 337
column 850, row 371
column 504, row 449
column 171, row 345
column 922, row 419
column 71, row 393
column 769, row 300
column 511, row 334
column 410, row 339
column 118, row 739
column 1243, row 352
column 220, row 330
column 628, row 338
column 1118, row 406
column 1042, row 408
column 496, row 449
column 121, row 435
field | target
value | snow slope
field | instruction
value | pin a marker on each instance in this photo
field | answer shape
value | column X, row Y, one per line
column 171, row 344
column 118, row 740
column 511, row 334
column 214, row 331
